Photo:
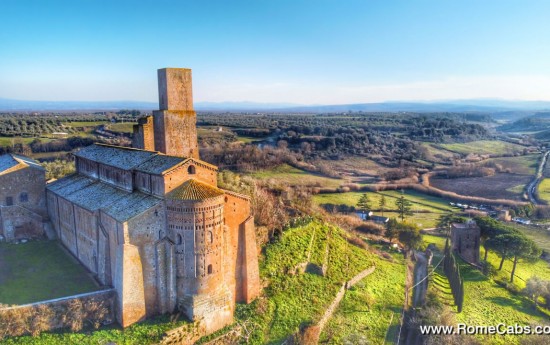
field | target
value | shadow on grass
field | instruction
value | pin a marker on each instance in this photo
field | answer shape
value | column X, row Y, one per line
column 518, row 303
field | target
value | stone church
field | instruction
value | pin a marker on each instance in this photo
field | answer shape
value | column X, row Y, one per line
column 151, row 221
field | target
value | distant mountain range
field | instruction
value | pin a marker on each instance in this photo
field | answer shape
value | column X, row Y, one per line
column 479, row 105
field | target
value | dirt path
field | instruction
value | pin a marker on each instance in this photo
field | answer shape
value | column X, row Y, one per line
column 532, row 187
column 421, row 271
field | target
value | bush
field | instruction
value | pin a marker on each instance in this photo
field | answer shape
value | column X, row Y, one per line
column 371, row 228
column 356, row 241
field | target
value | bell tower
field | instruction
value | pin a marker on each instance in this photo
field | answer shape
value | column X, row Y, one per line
column 175, row 131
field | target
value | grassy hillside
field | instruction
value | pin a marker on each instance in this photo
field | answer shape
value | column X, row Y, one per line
column 488, row 303
column 293, row 300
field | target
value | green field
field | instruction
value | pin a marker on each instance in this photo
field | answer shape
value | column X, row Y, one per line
column 40, row 270
column 526, row 165
column 494, row 147
column 85, row 123
column 121, row 127
column 295, row 177
column 427, row 209
column 544, row 190
column 432, row 239
column 9, row 141
column 523, row 272
column 486, row 302
column 246, row 139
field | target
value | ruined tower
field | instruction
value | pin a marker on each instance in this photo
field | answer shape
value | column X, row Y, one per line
column 172, row 129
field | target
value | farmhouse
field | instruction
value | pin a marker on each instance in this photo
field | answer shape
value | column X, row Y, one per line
column 149, row 221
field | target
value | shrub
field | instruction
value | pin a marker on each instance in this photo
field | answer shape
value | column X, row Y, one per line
column 371, row 228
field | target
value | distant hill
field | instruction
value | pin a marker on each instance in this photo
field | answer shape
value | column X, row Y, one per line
column 533, row 123
column 23, row 105
column 500, row 109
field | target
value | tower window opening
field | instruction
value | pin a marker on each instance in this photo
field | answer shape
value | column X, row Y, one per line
column 179, row 239
column 24, row 197
column 191, row 170
column 209, row 269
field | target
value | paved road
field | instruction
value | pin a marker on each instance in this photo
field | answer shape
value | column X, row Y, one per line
column 532, row 187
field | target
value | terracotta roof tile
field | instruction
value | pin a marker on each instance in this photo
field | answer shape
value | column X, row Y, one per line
column 195, row 190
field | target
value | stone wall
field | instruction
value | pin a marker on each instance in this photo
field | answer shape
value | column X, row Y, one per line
column 176, row 133
column 24, row 188
column 17, row 222
column 59, row 308
column 190, row 170
column 29, row 181
column 144, row 137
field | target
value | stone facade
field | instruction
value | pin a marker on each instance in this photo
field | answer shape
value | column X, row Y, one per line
column 154, row 224
column 465, row 240
column 172, row 128
column 22, row 197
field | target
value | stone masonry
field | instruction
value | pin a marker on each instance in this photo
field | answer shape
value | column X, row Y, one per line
column 153, row 223
column 22, row 197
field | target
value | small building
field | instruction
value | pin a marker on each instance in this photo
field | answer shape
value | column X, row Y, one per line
column 504, row 215
column 379, row 219
column 364, row 215
column 22, row 197
column 465, row 240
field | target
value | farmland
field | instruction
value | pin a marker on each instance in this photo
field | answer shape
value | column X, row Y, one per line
column 523, row 165
column 484, row 147
column 498, row 186
column 544, row 190
column 291, row 176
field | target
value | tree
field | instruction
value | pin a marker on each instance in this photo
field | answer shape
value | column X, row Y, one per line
column 489, row 228
column 447, row 219
column 392, row 229
column 403, row 207
column 535, row 288
column 364, row 203
column 502, row 245
column 523, row 248
column 382, row 203
column 409, row 235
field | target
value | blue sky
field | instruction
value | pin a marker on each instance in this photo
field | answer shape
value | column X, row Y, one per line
column 292, row 51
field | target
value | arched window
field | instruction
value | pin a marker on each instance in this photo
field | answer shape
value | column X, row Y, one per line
column 179, row 240
column 209, row 269
column 23, row 197
column 191, row 170
column 210, row 236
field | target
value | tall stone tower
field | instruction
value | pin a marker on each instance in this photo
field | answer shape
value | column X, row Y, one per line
column 172, row 129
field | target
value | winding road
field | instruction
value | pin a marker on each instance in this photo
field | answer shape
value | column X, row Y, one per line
column 532, row 187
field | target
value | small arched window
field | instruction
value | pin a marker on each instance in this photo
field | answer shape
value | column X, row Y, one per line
column 23, row 197
column 179, row 239
column 209, row 269
column 210, row 236
column 191, row 170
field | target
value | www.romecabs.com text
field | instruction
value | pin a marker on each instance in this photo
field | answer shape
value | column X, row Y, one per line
column 501, row 329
